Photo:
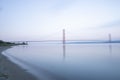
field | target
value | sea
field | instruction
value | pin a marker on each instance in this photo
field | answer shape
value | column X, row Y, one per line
column 70, row 61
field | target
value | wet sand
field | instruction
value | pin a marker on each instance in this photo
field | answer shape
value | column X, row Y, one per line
column 11, row 71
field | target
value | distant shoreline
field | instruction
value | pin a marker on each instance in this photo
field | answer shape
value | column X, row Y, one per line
column 4, row 43
column 79, row 41
column 91, row 42
column 11, row 71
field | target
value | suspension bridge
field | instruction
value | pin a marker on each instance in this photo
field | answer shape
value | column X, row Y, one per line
column 64, row 41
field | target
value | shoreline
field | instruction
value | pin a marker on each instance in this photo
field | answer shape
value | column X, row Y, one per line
column 10, row 70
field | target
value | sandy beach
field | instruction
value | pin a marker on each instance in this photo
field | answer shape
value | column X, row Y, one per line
column 11, row 71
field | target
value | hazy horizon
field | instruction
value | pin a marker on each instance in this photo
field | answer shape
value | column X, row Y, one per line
column 36, row 20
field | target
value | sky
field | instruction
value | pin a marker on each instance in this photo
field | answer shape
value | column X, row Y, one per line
column 45, row 19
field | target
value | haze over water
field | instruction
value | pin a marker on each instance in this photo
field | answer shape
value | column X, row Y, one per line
column 55, row 61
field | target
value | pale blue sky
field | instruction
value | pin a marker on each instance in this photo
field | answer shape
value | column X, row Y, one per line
column 45, row 19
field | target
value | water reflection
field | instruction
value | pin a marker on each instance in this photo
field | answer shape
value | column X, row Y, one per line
column 110, row 52
column 24, row 46
column 64, row 51
column 110, row 49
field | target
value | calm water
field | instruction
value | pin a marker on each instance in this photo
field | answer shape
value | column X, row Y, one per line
column 53, row 61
